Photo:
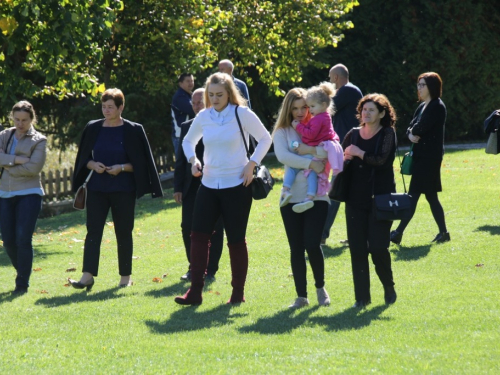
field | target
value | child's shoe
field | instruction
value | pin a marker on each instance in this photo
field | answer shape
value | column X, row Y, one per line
column 303, row 206
column 285, row 198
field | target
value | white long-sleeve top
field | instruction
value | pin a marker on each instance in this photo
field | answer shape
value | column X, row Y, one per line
column 225, row 155
column 283, row 149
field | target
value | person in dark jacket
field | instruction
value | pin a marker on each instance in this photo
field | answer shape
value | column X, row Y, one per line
column 117, row 153
column 185, row 189
column 181, row 107
column 426, row 131
column 371, row 149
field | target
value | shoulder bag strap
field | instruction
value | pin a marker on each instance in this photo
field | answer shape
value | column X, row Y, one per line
column 6, row 147
column 241, row 130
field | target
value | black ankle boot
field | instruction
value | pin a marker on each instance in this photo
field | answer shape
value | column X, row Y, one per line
column 442, row 237
column 396, row 237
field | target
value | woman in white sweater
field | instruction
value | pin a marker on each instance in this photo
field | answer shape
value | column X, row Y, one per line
column 226, row 177
column 303, row 230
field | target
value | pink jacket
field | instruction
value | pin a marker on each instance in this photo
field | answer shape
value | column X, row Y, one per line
column 317, row 130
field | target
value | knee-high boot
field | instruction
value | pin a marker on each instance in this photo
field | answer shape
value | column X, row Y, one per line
column 238, row 254
column 200, row 243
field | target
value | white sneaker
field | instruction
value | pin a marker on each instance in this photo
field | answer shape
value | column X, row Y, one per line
column 299, row 302
column 285, row 198
column 303, row 206
column 323, row 297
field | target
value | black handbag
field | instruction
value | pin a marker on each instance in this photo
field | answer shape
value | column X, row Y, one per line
column 391, row 206
column 263, row 182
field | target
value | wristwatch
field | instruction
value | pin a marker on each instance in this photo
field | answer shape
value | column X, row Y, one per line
column 123, row 168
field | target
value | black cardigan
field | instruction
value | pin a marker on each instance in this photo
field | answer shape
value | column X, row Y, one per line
column 430, row 129
column 137, row 148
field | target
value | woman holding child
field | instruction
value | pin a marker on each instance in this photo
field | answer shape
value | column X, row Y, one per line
column 304, row 225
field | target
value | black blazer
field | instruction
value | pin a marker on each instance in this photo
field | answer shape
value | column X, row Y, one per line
column 137, row 148
column 430, row 129
column 183, row 178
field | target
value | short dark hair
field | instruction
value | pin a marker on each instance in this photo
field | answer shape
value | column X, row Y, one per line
column 383, row 104
column 434, row 84
column 183, row 76
column 24, row 106
column 115, row 95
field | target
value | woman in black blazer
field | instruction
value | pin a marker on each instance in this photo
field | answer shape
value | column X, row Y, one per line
column 118, row 154
column 426, row 131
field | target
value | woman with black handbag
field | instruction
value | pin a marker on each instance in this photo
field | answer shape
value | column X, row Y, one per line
column 118, row 151
column 371, row 149
column 304, row 230
column 22, row 156
column 426, row 132
column 227, row 176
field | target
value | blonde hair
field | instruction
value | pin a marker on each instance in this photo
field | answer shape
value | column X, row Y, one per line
column 322, row 94
column 285, row 116
column 227, row 81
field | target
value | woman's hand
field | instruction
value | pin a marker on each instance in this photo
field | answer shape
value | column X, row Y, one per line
column 295, row 123
column 413, row 138
column 96, row 166
column 353, row 151
column 248, row 173
column 114, row 169
column 317, row 166
column 304, row 149
column 196, row 169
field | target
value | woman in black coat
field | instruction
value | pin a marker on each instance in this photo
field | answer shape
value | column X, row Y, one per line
column 426, row 131
column 118, row 154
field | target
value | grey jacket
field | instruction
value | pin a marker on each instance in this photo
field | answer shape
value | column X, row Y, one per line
column 22, row 176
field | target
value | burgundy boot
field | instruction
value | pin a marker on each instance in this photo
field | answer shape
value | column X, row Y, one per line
column 200, row 243
column 239, row 266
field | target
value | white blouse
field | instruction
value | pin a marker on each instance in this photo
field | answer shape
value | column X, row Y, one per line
column 225, row 155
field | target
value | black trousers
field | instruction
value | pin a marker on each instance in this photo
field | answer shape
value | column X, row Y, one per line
column 304, row 232
column 122, row 205
column 232, row 204
column 367, row 235
column 217, row 239
column 436, row 209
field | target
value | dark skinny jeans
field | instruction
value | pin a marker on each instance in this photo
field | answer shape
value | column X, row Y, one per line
column 436, row 209
column 304, row 233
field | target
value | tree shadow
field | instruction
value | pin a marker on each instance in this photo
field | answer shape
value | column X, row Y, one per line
column 80, row 296
column 409, row 254
column 283, row 322
column 188, row 319
column 492, row 229
column 352, row 318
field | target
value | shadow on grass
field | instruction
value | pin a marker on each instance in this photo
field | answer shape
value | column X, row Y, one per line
column 491, row 229
column 333, row 252
column 8, row 296
column 80, row 296
column 352, row 318
column 39, row 252
column 187, row 319
column 283, row 322
column 408, row 254
column 176, row 289
column 4, row 258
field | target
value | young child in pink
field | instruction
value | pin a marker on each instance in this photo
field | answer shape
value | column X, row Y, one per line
column 318, row 131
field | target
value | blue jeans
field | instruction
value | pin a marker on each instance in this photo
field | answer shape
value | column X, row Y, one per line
column 312, row 180
column 18, row 217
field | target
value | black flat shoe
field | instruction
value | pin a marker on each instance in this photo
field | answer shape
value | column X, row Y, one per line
column 78, row 285
column 442, row 237
column 396, row 237
column 361, row 304
column 390, row 296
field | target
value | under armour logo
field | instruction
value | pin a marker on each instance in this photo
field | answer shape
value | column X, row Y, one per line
column 395, row 203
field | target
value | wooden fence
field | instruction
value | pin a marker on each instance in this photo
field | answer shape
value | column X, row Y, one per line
column 57, row 185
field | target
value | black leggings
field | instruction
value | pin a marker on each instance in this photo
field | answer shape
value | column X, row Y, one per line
column 233, row 204
column 436, row 209
column 304, row 232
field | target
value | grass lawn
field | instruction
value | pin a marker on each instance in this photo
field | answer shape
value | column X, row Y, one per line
column 446, row 319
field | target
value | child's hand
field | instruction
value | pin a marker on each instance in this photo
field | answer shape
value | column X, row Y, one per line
column 295, row 123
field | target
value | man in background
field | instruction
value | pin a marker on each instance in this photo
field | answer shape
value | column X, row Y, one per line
column 226, row 66
column 182, row 109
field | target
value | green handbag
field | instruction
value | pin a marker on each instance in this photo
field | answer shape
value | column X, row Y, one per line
column 407, row 163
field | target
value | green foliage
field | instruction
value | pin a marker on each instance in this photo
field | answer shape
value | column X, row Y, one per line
column 445, row 320
column 395, row 41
